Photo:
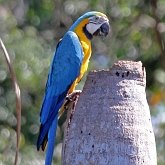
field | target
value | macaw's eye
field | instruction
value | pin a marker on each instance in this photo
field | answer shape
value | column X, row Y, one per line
column 97, row 18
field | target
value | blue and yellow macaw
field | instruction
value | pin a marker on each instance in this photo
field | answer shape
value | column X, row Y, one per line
column 69, row 64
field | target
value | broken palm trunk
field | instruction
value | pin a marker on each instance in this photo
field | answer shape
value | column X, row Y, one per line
column 111, row 124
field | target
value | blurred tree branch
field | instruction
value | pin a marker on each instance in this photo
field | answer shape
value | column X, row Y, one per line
column 158, row 35
column 18, row 98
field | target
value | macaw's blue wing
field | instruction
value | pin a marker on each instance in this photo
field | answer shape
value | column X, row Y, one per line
column 64, row 70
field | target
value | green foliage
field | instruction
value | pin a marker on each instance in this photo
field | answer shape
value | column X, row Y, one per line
column 31, row 30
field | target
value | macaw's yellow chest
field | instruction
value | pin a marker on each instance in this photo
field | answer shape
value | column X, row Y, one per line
column 86, row 46
column 84, row 66
column 87, row 54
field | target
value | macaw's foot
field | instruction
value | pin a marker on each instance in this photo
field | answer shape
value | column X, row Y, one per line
column 73, row 96
column 71, row 99
column 70, row 102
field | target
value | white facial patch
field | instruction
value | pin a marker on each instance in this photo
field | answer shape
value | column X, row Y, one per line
column 91, row 28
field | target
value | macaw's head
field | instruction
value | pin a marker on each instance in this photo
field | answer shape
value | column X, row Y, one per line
column 91, row 24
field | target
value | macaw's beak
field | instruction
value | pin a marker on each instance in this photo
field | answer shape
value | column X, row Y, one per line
column 103, row 30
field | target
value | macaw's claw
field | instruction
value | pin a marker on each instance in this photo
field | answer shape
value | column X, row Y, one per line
column 71, row 97
column 70, row 102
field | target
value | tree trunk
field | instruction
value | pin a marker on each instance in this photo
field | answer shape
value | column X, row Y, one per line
column 111, row 124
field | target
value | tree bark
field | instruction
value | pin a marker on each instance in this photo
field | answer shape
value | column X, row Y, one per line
column 111, row 124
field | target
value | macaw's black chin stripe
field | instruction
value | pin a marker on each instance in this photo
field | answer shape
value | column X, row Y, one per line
column 97, row 32
column 88, row 35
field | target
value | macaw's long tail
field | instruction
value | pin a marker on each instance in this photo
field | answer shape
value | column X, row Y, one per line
column 49, row 124
column 53, row 116
column 47, row 136
column 51, row 141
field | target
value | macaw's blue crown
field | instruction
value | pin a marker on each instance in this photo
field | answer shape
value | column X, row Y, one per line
column 86, row 15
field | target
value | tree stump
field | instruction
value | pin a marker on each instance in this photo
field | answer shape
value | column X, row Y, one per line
column 111, row 124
